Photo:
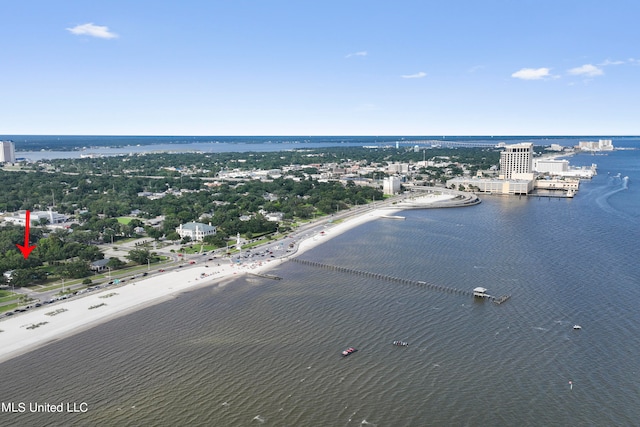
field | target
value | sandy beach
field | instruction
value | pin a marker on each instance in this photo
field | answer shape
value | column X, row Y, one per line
column 27, row 331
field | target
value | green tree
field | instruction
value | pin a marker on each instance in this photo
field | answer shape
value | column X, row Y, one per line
column 142, row 256
column 115, row 263
column 27, row 277
column 74, row 270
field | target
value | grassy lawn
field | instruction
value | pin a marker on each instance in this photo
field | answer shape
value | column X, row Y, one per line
column 7, row 296
column 195, row 249
column 125, row 219
column 9, row 307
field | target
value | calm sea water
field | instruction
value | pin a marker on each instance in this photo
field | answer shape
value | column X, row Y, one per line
column 265, row 352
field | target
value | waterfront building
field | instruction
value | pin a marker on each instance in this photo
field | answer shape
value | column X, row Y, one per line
column 516, row 161
column 515, row 177
column 551, row 165
column 572, row 184
column 7, row 152
column 196, row 231
column 600, row 145
column 561, row 168
column 480, row 292
column 492, row 185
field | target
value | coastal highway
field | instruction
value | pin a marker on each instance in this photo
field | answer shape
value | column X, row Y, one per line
column 270, row 249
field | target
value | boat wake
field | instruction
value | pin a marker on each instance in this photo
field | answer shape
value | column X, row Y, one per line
column 620, row 184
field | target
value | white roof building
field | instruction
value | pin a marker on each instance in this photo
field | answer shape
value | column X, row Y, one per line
column 197, row 231
column 20, row 217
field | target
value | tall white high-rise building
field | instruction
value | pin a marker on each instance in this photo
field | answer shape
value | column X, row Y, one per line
column 516, row 161
column 391, row 185
column 7, row 152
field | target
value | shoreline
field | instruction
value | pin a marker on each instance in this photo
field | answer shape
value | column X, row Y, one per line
column 25, row 332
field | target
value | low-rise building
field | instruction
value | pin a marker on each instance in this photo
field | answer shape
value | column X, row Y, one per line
column 99, row 265
column 52, row 217
column 196, row 231
column 495, row 186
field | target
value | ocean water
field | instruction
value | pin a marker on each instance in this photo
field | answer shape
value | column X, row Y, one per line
column 255, row 351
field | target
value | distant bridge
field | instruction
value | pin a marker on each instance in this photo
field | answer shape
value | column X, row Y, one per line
column 447, row 143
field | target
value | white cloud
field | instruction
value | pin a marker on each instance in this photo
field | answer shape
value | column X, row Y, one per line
column 419, row 75
column 586, row 70
column 607, row 62
column 92, row 30
column 361, row 53
column 531, row 73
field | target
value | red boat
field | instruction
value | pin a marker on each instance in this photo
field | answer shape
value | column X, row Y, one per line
column 349, row 351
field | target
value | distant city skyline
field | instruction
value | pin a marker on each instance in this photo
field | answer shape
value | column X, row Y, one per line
column 413, row 67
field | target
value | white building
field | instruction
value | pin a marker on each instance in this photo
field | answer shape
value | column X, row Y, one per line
column 52, row 217
column 197, row 231
column 391, row 185
column 274, row 216
column 600, row 145
column 495, row 186
column 398, row 168
column 551, row 166
column 7, row 152
column 516, row 161
column 562, row 168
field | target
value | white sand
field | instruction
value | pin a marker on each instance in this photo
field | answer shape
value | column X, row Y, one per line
column 17, row 339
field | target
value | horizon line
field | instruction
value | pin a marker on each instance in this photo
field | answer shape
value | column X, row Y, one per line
column 323, row 135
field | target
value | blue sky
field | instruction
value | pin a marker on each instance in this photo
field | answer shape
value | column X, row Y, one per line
column 350, row 67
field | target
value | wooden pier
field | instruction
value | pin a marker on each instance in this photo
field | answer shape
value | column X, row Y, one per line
column 385, row 277
column 501, row 299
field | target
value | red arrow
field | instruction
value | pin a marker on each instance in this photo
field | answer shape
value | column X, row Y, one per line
column 26, row 249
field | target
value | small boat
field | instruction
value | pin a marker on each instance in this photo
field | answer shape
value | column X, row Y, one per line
column 577, row 327
column 401, row 343
column 348, row 351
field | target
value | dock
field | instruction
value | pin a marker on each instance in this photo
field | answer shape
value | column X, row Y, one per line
column 501, row 299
